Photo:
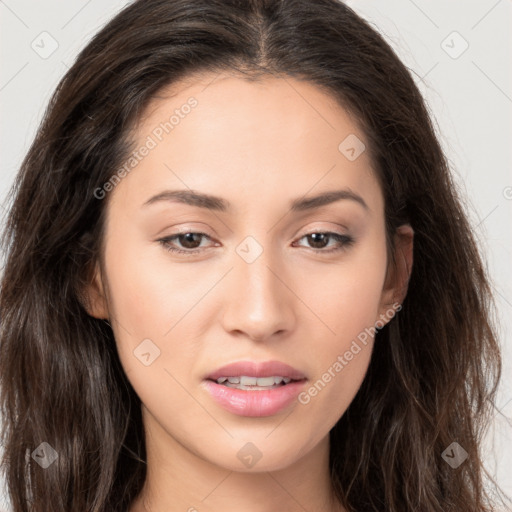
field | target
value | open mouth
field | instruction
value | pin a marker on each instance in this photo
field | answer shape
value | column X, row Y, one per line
column 261, row 394
column 254, row 383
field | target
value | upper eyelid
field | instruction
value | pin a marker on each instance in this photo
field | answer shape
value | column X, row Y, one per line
column 175, row 236
column 312, row 230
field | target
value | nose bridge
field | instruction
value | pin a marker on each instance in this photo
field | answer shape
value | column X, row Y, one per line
column 259, row 304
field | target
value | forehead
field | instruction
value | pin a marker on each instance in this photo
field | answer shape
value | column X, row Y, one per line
column 251, row 140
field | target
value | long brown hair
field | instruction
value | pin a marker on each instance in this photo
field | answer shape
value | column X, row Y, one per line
column 435, row 367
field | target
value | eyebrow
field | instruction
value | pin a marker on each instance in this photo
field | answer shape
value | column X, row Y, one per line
column 214, row 203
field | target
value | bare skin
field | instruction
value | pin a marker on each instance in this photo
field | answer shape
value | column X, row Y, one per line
column 259, row 146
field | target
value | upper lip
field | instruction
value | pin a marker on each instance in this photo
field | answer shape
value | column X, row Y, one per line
column 257, row 369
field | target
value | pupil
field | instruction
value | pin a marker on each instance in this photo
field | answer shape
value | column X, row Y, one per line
column 318, row 236
column 189, row 240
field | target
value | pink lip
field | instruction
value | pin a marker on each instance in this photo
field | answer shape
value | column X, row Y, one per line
column 255, row 403
column 253, row 369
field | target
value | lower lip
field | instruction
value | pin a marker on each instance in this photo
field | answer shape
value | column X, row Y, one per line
column 255, row 403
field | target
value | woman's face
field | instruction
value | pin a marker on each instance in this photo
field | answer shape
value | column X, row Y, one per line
column 263, row 169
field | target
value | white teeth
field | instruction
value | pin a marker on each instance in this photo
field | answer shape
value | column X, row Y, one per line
column 243, row 381
column 251, row 381
column 262, row 381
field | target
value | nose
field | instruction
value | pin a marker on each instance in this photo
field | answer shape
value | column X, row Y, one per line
column 259, row 301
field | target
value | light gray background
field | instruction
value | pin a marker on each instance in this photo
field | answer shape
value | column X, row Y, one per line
column 469, row 93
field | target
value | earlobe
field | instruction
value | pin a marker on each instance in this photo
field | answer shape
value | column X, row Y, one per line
column 92, row 296
column 399, row 273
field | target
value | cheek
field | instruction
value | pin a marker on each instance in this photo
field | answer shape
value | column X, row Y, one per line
column 149, row 303
column 346, row 296
column 149, row 296
column 347, row 300
column 154, row 341
column 330, row 393
column 341, row 354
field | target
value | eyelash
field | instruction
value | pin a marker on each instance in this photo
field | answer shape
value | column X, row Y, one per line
column 345, row 240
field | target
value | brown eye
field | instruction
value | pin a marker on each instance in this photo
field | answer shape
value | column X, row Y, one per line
column 189, row 242
column 319, row 240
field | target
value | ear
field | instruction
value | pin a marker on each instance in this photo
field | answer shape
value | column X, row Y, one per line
column 398, row 274
column 92, row 296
